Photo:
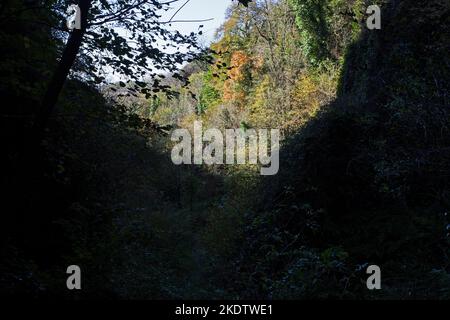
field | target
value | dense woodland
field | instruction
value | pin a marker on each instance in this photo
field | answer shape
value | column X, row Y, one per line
column 364, row 177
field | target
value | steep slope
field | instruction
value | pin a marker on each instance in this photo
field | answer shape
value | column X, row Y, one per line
column 366, row 181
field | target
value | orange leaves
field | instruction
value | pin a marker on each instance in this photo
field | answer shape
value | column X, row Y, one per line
column 241, row 67
column 228, row 94
column 239, row 61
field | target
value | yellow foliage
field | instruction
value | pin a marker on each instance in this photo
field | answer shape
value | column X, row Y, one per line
column 228, row 91
column 305, row 93
column 260, row 114
column 187, row 121
column 311, row 92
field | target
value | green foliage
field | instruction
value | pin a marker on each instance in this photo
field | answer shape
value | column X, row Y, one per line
column 209, row 95
column 314, row 30
column 363, row 175
column 359, row 195
column 327, row 27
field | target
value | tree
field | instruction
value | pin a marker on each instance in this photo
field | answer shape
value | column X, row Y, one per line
column 245, row 2
column 64, row 66
column 327, row 27
column 126, row 38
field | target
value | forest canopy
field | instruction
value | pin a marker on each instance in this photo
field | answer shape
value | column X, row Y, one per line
column 363, row 178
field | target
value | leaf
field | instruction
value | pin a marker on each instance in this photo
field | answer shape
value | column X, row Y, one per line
column 245, row 2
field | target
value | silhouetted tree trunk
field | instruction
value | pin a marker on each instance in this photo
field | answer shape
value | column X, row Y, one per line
column 59, row 77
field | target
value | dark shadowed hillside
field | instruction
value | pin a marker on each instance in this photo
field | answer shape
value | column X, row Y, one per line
column 364, row 175
column 366, row 181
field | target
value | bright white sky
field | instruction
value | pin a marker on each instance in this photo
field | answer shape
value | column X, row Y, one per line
column 198, row 10
column 194, row 10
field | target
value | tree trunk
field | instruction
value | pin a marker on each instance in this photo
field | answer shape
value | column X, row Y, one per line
column 65, row 64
